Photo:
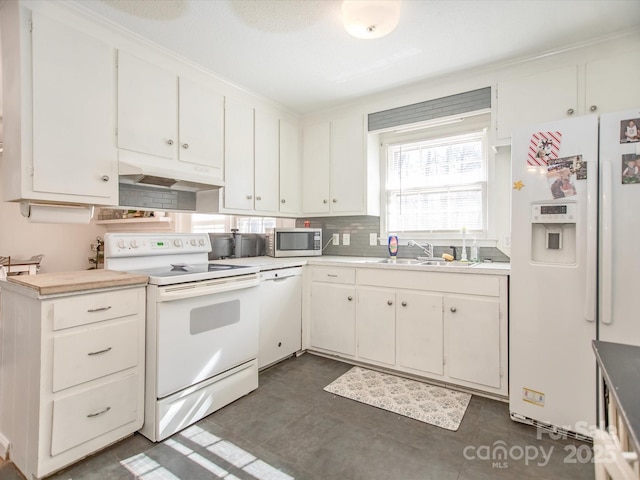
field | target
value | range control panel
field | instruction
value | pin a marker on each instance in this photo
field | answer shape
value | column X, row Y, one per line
column 152, row 244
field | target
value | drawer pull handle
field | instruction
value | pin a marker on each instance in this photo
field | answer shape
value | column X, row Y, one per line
column 99, row 309
column 100, row 351
column 332, row 275
column 101, row 412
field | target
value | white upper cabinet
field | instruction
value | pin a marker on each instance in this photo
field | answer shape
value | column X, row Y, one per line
column 290, row 167
column 610, row 84
column 600, row 86
column 347, row 165
column 267, row 161
column 163, row 117
column 316, row 168
column 147, row 107
column 201, row 125
column 336, row 168
column 544, row 96
column 59, row 112
column 238, row 155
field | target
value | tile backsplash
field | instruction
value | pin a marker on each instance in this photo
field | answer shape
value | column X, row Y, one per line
column 359, row 229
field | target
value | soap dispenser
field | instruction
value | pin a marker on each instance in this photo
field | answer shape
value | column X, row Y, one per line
column 393, row 245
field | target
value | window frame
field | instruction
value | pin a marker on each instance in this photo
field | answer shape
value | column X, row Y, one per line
column 466, row 126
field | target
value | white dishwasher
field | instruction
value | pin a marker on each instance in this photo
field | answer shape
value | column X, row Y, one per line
column 280, row 314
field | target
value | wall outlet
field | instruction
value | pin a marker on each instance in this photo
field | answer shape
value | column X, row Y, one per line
column 336, row 239
column 373, row 239
column 346, row 239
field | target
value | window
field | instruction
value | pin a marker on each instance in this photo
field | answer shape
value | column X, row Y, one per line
column 224, row 223
column 436, row 184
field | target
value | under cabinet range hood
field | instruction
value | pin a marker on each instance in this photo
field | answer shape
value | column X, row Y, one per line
column 162, row 176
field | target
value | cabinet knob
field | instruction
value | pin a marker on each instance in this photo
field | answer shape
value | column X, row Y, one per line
column 404, row 304
column 105, row 178
column 570, row 111
column 349, row 298
column 453, row 309
column 389, row 302
column 324, row 201
column 185, row 145
column 258, row 198
column 249, row 197
column 593, row 108
column 283, row 201
column 334, row 200
column 169, row 142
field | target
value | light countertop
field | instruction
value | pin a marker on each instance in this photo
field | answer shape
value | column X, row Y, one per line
column 271, row 263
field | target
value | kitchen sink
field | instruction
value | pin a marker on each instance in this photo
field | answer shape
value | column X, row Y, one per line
column 400, row 261
column 431, row 263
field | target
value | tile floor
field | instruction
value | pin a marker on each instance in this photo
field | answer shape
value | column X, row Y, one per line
column 290, row 428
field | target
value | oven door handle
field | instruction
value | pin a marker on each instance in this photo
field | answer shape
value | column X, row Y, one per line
column 180, row 292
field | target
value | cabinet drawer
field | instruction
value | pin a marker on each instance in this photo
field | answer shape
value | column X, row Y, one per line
column 89, row 414
column 93, row 353
column 333, row 275
column 95, row 307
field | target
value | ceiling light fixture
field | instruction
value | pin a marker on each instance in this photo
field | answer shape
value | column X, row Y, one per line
column 370, row 18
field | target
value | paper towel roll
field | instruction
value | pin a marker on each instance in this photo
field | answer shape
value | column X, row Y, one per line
column 42, row 213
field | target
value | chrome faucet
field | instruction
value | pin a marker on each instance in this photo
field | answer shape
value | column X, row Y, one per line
column 426, row 247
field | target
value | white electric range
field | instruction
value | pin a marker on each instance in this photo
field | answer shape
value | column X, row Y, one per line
column 202, row 327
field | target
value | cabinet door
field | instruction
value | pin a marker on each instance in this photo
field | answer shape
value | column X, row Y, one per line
column 419, row 321
column 333, row 317
column 347, row 165
column 472, row 339
column 315, row 169
column 542, row 97
column 289, row 168
column 376, row 322
column 267, row 153
column 609, row 84
column 74, row 149
column 280, row 318
column 238, row 155
column 147, row 107
column 201, row 116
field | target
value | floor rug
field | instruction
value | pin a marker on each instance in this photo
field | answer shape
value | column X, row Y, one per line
column 427, row 403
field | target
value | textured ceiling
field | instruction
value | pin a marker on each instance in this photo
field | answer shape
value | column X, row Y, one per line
column 297, row 52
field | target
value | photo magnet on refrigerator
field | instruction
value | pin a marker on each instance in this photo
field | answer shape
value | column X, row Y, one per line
column 543, row 146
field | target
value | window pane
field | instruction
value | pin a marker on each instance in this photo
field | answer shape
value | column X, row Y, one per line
column 436, row 185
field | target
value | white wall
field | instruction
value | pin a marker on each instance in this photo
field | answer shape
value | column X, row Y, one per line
column 65, row 247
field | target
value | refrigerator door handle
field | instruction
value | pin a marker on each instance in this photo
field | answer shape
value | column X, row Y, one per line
column 592, row 258
column 606, row 261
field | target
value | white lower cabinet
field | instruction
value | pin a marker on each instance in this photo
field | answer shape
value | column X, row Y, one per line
column 376, row 320
column 73, row 374
column 472, row 337
column 419, row 330
column 449, row 327
column 333, row 310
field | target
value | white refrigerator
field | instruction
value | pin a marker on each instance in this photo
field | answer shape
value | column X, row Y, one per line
column 575, row 222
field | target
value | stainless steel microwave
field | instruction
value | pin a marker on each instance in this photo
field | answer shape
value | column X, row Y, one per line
column 293, row 242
